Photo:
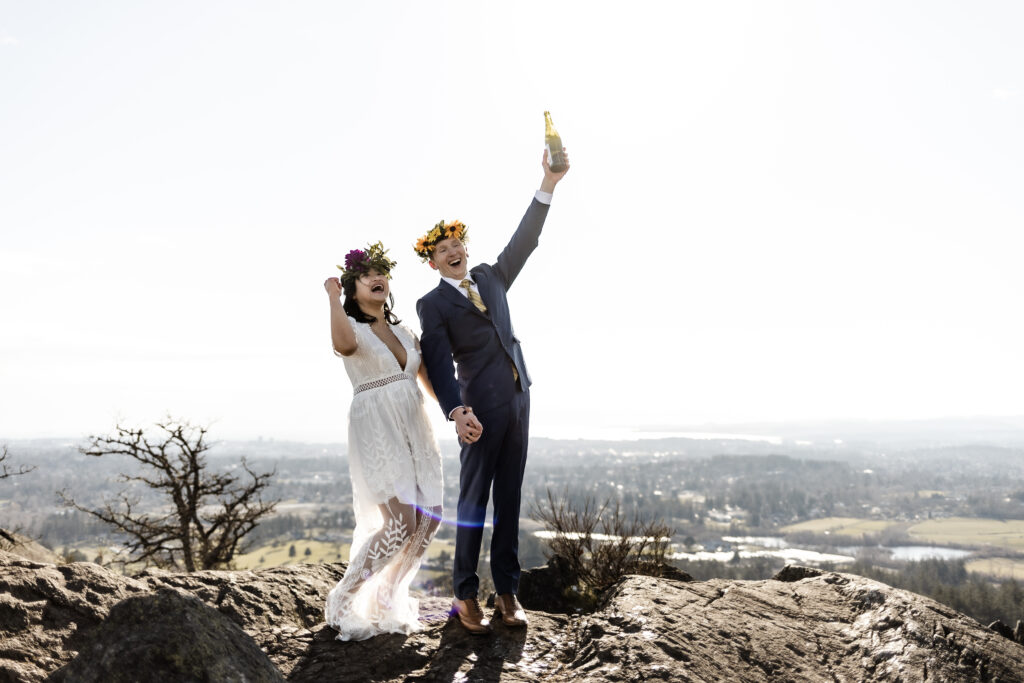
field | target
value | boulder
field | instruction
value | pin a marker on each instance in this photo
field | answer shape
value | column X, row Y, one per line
column 46, row 609
column 167, row 636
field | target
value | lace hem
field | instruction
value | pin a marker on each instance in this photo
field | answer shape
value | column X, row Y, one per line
column 373, row 595
column 355, row 627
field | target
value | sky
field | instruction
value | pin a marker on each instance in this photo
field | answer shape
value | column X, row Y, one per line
column 775, row 211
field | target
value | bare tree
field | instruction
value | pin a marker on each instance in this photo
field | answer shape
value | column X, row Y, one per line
column 6, row 471
column 600, row 543
column 207, row 513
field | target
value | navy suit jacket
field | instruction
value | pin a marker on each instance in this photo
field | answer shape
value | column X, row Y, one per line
column 482, row 346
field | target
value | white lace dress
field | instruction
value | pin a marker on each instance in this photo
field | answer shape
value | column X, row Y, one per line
column 395, row 466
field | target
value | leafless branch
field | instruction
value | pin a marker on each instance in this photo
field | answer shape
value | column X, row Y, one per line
column 209, row 512
column 6, row 471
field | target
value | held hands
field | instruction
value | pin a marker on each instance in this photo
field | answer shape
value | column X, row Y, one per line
column 467, row 426
column 333, row 287
column 550, row 177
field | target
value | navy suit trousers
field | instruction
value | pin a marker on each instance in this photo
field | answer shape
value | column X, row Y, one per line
column 497, row 461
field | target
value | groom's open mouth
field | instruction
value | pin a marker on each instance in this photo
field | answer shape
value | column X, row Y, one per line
column 455, row 264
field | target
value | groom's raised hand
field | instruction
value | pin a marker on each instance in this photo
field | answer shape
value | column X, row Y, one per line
column 467, row 426
column 550, row 177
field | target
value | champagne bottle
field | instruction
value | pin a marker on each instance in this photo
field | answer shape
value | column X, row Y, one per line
column 556, row 157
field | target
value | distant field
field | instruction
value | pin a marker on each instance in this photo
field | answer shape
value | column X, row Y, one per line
column 436, row 546
column 277, row 556
column 971, row 531
column 842, row 526
column 1000, row 567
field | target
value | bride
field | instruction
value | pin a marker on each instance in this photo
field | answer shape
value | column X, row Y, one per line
column 394, row 461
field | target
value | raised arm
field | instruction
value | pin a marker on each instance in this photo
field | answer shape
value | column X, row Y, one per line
column 526, row 237
column 343, row 337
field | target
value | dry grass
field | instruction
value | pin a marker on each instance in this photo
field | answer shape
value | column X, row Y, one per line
column 278, row 556
column 999, row 567
column 967, row 531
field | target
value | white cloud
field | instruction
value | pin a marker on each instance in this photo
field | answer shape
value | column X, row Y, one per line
column 1004, row 93
column 8, row 39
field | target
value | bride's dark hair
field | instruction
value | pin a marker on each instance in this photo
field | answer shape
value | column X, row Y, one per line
column 351, row 306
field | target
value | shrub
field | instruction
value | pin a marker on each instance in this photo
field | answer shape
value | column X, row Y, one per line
column 602, row 543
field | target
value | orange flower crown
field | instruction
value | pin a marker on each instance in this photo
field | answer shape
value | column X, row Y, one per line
column 425, row 245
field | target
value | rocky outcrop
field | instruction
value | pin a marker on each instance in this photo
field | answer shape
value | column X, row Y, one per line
column 804, row 625
column 814, row 626
column 13, row 542
column 46, row 610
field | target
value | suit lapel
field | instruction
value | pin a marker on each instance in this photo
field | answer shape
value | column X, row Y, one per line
column 457, row 298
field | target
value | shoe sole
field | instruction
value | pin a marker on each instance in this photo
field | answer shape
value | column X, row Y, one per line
column 510, row 624
column 475, row 631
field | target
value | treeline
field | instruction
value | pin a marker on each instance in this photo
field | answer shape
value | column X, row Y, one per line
column 292, row 526
column 66, row 527
column 776, row 490
column 771, row 489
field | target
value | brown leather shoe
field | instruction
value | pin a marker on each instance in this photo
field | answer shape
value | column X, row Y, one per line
column 471, row 616
column 512, row 613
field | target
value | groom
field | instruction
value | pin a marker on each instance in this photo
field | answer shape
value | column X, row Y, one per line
column 466, row 326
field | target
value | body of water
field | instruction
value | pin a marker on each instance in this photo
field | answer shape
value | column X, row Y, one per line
column 760, row 541
column 790, row 555
column 775, row 546
column 912, row 553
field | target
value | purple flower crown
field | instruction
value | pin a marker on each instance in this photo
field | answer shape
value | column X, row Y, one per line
column 360, row 261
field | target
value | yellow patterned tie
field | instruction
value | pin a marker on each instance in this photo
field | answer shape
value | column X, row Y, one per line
column 474, row 298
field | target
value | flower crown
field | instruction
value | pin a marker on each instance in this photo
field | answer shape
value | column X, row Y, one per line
column 359, row 262
column 425, row 245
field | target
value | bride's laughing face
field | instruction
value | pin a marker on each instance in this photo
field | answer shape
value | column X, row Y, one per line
column 450, row 258
column 373, row 288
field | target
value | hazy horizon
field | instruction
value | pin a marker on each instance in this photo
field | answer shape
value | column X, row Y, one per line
column 997, row 430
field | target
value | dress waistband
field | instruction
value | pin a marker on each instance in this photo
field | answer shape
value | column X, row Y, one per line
column 377, row 383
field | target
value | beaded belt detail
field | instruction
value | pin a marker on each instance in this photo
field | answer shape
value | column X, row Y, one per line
column 377, row 383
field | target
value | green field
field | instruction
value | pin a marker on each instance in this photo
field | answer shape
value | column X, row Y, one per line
column 966, row 531
column 842, row 526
